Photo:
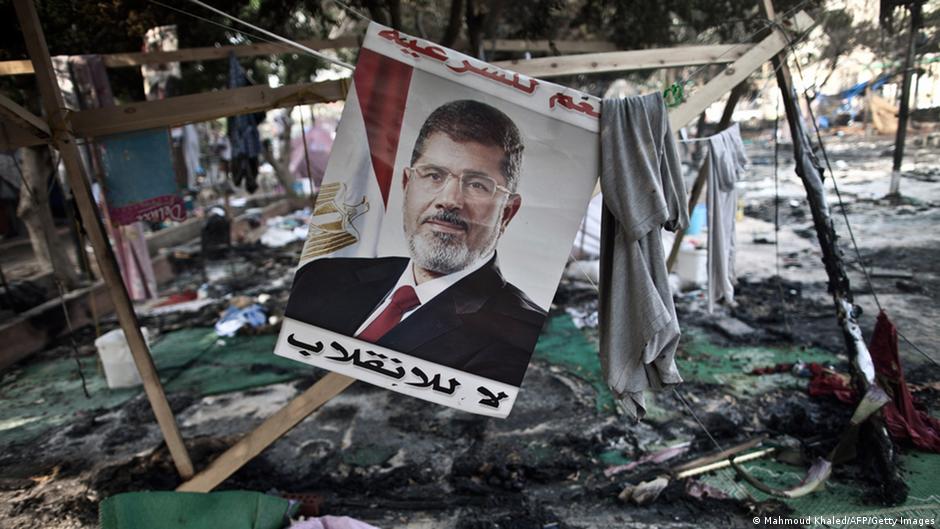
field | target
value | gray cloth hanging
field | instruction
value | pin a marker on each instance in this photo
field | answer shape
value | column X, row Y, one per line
column 723, row 163
column 641, row 178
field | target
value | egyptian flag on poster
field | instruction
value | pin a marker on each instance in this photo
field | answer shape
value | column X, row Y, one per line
column 354, row 196
column 347, row 217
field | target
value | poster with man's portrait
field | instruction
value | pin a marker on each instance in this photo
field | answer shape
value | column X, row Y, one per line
column 446, row 216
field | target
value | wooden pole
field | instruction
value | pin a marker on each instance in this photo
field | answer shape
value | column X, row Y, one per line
column 694, row 196
column 64, row 141
column 874, row 441
column 904, row 109
column 270, row 430
column 738, row 71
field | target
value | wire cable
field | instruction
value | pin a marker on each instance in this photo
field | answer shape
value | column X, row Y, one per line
column 783, row 299
column 275, row 36
column 210, row 21
column 674, row 389
column 345, row 7
column 750, row 37
column 704, row 428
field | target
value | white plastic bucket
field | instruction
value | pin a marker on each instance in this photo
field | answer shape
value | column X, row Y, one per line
column 692, row 267
column 119, row 368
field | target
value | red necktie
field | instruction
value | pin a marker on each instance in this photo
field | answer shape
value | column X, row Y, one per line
column 403, row 300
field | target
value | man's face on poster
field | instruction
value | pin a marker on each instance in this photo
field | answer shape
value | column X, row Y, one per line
column 456, row 203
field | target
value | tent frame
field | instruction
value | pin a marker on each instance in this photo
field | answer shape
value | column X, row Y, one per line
column 63, row 128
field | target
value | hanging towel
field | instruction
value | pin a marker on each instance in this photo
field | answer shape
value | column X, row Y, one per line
column 723, row 163
column 641, row 179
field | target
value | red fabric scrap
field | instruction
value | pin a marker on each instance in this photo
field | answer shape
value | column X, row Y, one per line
column 903, row 420
column 779, row 368
column 826, row 382
column 179, row 297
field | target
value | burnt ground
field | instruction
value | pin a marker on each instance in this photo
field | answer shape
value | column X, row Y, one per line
column 400, row 462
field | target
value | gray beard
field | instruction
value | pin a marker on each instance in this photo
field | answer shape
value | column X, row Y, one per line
column 444, row 253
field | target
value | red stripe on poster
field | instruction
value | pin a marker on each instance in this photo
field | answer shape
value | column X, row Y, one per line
column 382, row 85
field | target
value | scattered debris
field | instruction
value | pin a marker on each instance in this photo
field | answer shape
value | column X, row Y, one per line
column 645, row 492
column 235, row 317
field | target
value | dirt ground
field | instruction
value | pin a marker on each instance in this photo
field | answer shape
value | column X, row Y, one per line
column 398, row 462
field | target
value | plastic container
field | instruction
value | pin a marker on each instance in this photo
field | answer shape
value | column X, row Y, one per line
column 697, row 220
column 692, row 267
column 119, row 368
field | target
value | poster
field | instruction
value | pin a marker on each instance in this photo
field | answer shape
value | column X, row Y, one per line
column 446, row 215
column 140, row 183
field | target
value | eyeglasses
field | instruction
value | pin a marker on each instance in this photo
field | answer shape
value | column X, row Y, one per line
column 475, row 186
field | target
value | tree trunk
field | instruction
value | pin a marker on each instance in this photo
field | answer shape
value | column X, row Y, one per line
column 394, row 11
column 481, row 23
column 376, row 12
column 454, row 23
column 475, row 18
column 34, row 210
column 283, row 138
column 281, row 163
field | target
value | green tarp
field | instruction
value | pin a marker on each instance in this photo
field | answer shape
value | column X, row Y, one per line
column 192, row 510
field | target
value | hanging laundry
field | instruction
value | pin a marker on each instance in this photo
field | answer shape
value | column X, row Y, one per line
column 120, row 160
column 191, row 155
column 641, row 178
column 126, row 158
column 723, row 163
column 243, row 134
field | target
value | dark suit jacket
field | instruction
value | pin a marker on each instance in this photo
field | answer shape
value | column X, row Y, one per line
column 481, row 324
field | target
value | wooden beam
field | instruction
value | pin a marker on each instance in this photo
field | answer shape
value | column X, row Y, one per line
column 270, row 430
column 549, row 46
column 209, row 53
column 118, row 60
column 694, row 196
column 13, row 136
column 177, row 111
column 20, row 127
column 736, row 72
column 625, row 61
column 31, row 331
column 121, row 60
column 11, row 110
column 64, row 141
column 16, row 67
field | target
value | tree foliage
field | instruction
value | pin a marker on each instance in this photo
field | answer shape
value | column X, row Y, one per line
column 108, row 26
